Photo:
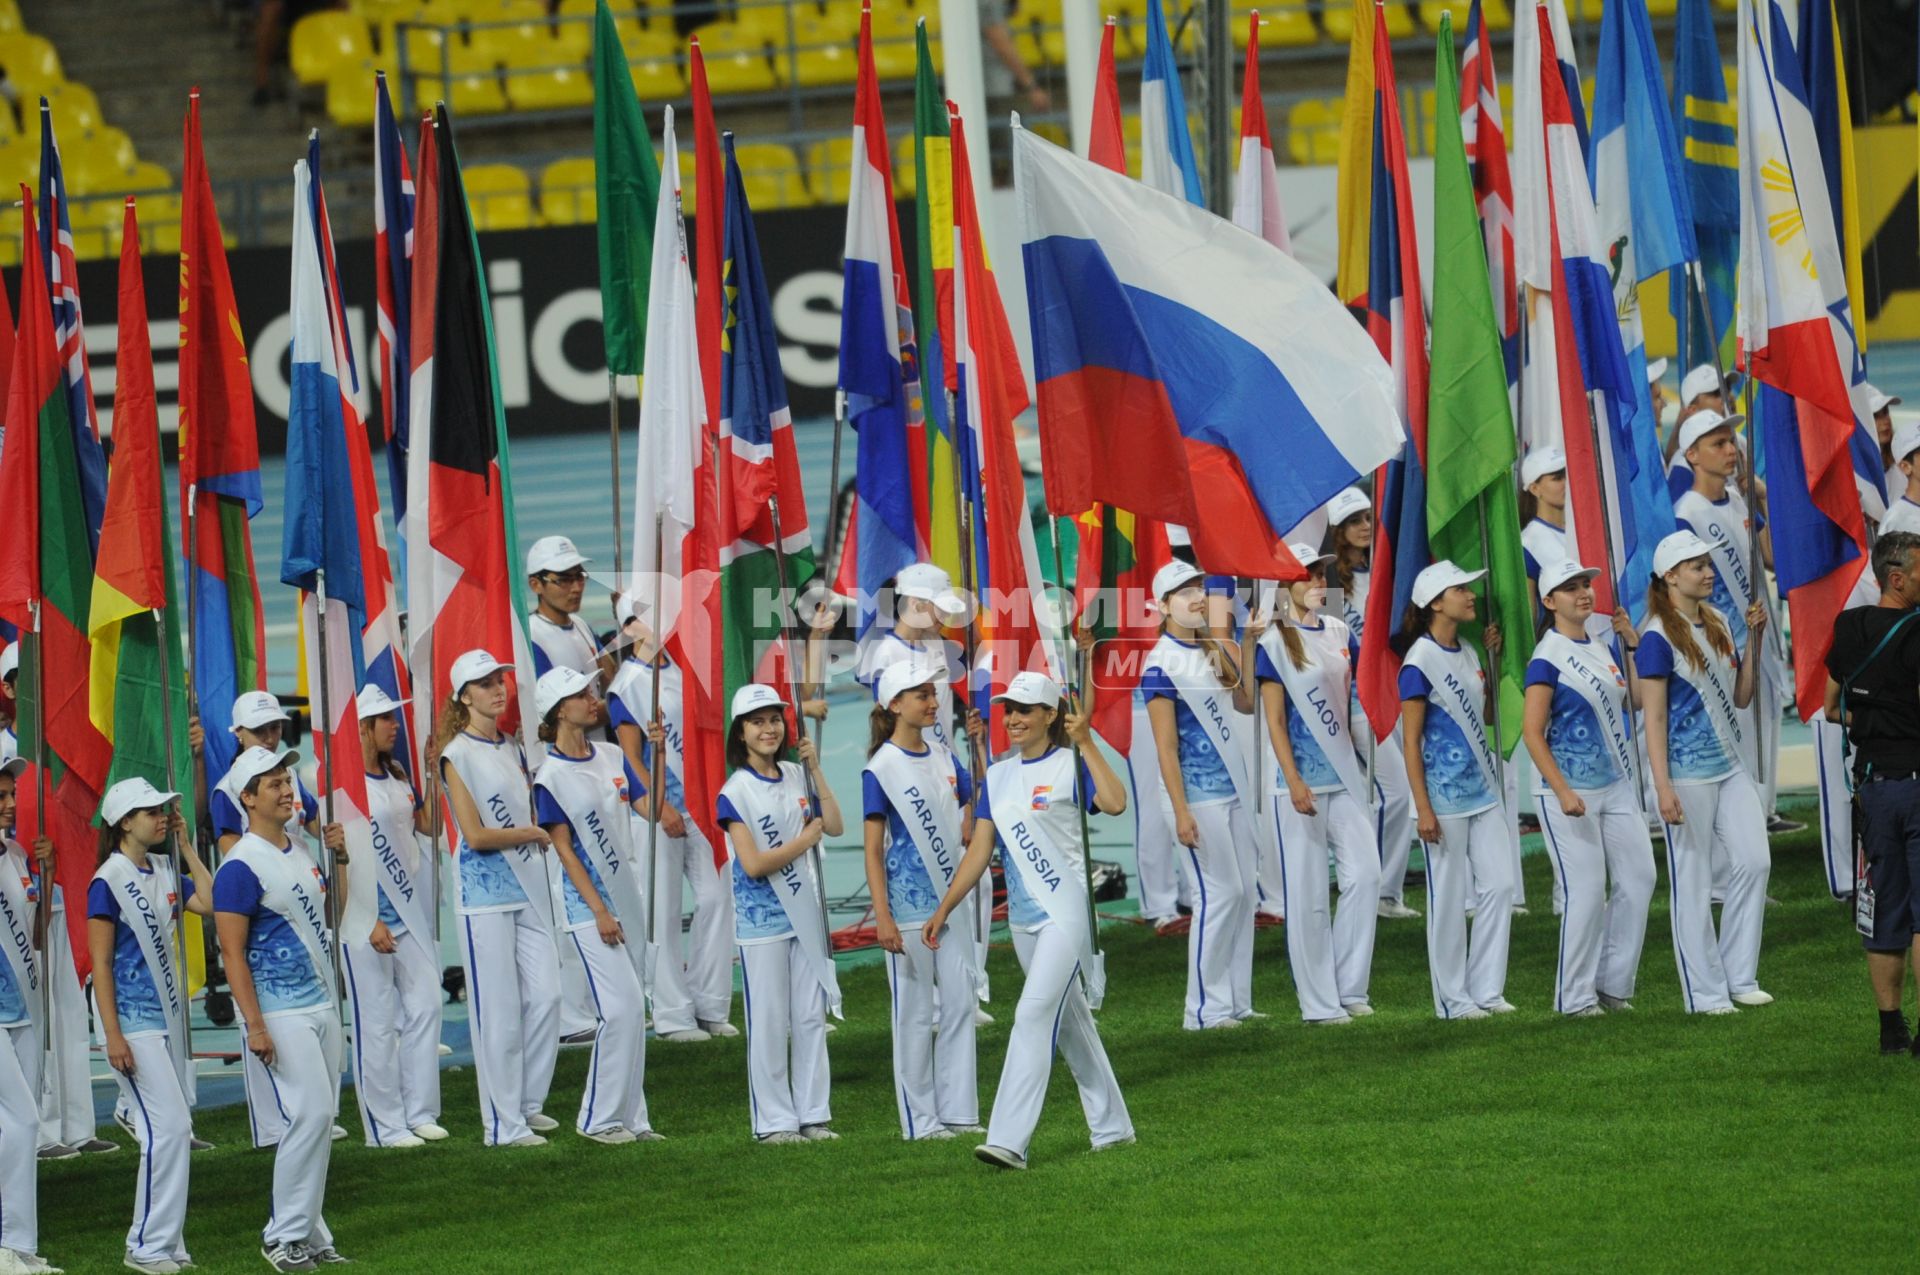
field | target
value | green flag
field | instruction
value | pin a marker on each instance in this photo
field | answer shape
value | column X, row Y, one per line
column 626, row 180
column 1472, row 512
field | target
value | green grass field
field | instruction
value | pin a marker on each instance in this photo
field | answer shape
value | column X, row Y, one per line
column 1647, row 1141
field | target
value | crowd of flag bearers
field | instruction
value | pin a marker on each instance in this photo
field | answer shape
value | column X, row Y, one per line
column 1343, row 588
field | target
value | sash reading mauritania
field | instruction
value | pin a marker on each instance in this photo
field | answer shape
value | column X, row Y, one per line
column 1465, row 704
column 16, row 916
column 928, row 807
column 776, row 814
column 1054, row 876
column 289, row 886
column 147, row 912
column 1211, row 704
column 602, row 835
column 1320, row 695
column 1588, row 670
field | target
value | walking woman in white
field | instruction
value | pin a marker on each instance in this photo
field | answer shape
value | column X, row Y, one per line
column 1577, row 732
column 584, row 799
column 1038, row 793
column 1694, row 689
column 692, row 994
column 1457, row 803
column 387, row 945
column 1194, row 690
column 914, row 798
column 506, row 933
column 270, row 907
column 1304, row 667
column 21, row 1050
column 786, row 966
column 139, row 998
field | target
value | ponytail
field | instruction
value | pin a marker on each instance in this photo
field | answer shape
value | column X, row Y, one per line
column 1680, row 633
column 1414, row 625
column 453, row 719
column 880, row 724
column 1296, row 646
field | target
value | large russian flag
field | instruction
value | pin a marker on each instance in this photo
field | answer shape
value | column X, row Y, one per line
column 1188, row 371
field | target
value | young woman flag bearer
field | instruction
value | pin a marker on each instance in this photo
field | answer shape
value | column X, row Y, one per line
column 1694, row 688
column 786, row 967
column 1032, row 808
column 914, row 797
column 392, row 962
column 584, row 799
column 270, row 907
column 1458, row 807
column 1576, row 730
column 1304, row 668
column 139, row 995
column 506, row 934
column 21, row 1047
column 1193, row 688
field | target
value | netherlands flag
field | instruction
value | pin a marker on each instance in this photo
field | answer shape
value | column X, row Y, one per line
column 1256, row 188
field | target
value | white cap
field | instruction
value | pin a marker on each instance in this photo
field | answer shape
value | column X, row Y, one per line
column 1308, row 555
column 1906, row 441
column 753, row 697
column 1030, row 688
column 1173, row 576
column 130, row 795
column 1560, row 572
column 554, row 553
column 1656, row 370
column 904, row 675
column 1878, row 400
column 559, row 683
column 259, row 761
column 929, row 583
column 1346, row 502
column 13, row 766
column 1700, row 424
column 9, row 660
column 256, row 709
column 473, row 666
column 1438, row 578
column 1540, row 462
column 1701, row 380
column 1681, row 546
column 373, row 701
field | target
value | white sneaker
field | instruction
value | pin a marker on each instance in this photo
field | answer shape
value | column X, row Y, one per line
column 429, row 1132
column 939, row 1133
column 1720, row 1011
column 959, row 1129
column 818, row 1133
column 981, row 1018
column 1225, row 1024
column 1754, row 997
column 1254, row 1013
column 648, row 1135
column 34, row 1264
column 721, row 1028
column 832, row 1026
column 1340, row 1021
column 445, row 1051
column 784, row 1138
column 1475, row 1012
column 1126, row 1141
column 1500, row 1006
column 288, row 1257
column 1395, row 910
column 153, row 1266
column 615, row 1137
column 999, row 1157
column 1520, row 909
column 1591, row 1011
column 338, row 1133
column 404, row 1142
column 528, row 1140
column 1358, row 1009
column 1615, row 1004
column 687, row 1036
column 541, row 1122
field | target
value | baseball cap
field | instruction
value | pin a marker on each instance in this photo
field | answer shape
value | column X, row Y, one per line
column 1700, row 380
column 1030, row 688
column 1540, row 462
column 904, row 675
column 1346, row 502
column 1656, row 370
column 1878, row 400
column 1906, row 441
column 1173, row 575
column 1561, row 572
column 1308, row 555
column 755, row 696
column 558, row 684
column 130, row 795
column 259, row 761
column 13, row 766
column 256, row 709
column 1438, row 578
column 374, row 701
column 554, row 553
column 929, row 583
column 9, row 660
column 1681, row 546
column 473, row 666
column 1700, row 424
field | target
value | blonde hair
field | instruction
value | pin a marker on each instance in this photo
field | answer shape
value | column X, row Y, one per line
column 1291, row 639
column 1680, row 633
column 454, row 718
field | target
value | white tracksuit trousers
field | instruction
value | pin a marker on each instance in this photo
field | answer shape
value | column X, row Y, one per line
column 1723, row 819
column 1601, row 932
column 935, row 1078
column 66, row 1087
column 576, row 999
column 1220, row 944
column 1331, row 953
column 693, row 980
column 396, row 1035
column 1161, row 888
column 305, row 1079
column 1471, row 866
column 20, row 1056
column 1392, row 816
column 1836, row 806
column 788, row 1082
column 513, row 1008
column 1053, row 1013
column 162, row 1119
column 615, row 1096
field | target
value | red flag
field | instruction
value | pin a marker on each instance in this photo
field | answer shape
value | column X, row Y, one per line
column 1106, row 142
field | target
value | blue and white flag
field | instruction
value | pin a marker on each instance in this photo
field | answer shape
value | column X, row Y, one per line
column 1166, row 147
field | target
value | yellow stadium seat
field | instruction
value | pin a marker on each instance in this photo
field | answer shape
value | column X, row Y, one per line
column 9, row 126
column 1288, row 26
column 350, row 97
column 10, row 16
column 776, row 190
column 893, row 43
column 772, row 174
column 657, row 79
column 820, row 65
column 33, row 67
column 568, row 195
column 74, row 107
column 840, row 19
column 325, row 42
column 829, row 164
column 1662, row 8
column 1313, row 130
column 1338, row 19
column 738, row 69
column 1583, row 10
column 906, row 176
column 1499, row 16
column 552, row 90
column 765, row 24
column 474, row 94
column 501, row 197
column 20, row 162
column 97, row 162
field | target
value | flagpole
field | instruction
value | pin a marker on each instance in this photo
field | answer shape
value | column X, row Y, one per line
column 1079, row 704
column 656, row 790
column 42, row 915
column 1259, row 708
column 613, row 449
column 793, row 689
column 1488, row 668
column 833, row 492
column 325, row 730
column 963, row 523
column 1606, row 530
column 179, row 855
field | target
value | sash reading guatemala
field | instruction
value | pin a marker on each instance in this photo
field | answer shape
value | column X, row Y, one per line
column 1462, row 775
column 20, row 976
column 785, row 903
column 1704, row 739
column 1723, row 525
column 1586, row 728
column 288, row 944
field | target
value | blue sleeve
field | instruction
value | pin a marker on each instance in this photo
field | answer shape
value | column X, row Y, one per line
column 724, row 813
column 618, row 716
column 542, row 664
column 309, row 807
column 983, row 808
column 1263, row 667
column 1533, row 565
column 1353, row 649
column 965, row 780
column 1414, row 683
column 236, row 889
column 547, row 811
column 226, row 816
column 873, row 798
column 1541, row 673
column 635, row 787
column 1654, row 656
column 101, row 905
column 1155, row 684
column 186, row 890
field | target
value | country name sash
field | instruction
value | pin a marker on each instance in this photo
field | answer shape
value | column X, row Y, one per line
column 289, row 886
column 775, row 815
column 1054, row 876
column 1466, row 704
column 594, row 796
column 1588, row 670
column 16, row 924
column 1210, row 703
column 1321, row 697
column 923, row 792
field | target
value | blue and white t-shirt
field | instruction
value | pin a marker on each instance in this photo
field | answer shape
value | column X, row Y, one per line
column 1582, row 746
column 134, row 995
column 284, row 977
column 911, row 895
column 1203, row 771
column 1696, row 754
column 1056, row 813
column 549, row 813
column 230, row 818
column 495, row 774
column 570, row 645
column 391, row 807
column 758, row 916
column 1541, row 541
column 1308, row 757
column 1723, row 524
column 1450, row 748
column 639, row 715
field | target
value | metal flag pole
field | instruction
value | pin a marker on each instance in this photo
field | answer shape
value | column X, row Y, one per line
column 1606, row 530
column 833, row 492
column 793, row 688
column 1259, row 706
column 179, row 855
column 613, row 450
column 42, row 915
column 335, row 904
column 963, row 520
column 656, row 783
column 1488, row 669
column 1080, row 704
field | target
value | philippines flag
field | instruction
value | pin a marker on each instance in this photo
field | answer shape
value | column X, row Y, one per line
column 1166, row 147
column 1797, row 337
column 879, row 364
column 1256, row 188
column 393, row 285
column 1481, row 126
column 69, row 329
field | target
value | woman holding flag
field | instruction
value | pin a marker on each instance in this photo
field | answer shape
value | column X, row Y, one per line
column 1577, row 732
column 138, row 1004
column 1304, row 667
column 1043, row 793
column 513, row 970
column 786, row 966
